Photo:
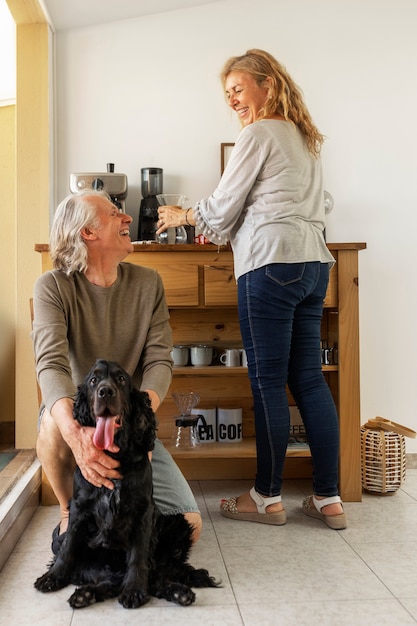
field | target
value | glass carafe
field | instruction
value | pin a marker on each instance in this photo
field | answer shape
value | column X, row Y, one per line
column 186, row 434
column 172, row 199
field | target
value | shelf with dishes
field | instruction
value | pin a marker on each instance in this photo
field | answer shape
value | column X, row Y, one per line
column 215, row 370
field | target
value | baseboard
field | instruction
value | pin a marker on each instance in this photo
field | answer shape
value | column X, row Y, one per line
column 411, row 460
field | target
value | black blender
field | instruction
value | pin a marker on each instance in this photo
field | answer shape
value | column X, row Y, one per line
column 151, row 184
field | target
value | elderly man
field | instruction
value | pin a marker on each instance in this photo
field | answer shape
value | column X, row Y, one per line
column 91, row 305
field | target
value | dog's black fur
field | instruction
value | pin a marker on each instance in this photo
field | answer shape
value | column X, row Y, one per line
column 118, row 543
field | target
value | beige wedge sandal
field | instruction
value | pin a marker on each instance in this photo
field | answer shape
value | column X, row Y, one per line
column 228, row 508
column 312, row 507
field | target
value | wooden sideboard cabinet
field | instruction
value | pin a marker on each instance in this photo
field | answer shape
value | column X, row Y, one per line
column 201, row 294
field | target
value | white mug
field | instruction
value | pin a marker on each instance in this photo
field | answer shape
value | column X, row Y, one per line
column 244, row 358
column 229, row 425
column 206, row 434
column 180, row 355
column 230, row 357
column 201, row 355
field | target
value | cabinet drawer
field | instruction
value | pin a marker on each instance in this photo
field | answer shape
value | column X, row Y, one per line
column 181, row 283
column 220, row 287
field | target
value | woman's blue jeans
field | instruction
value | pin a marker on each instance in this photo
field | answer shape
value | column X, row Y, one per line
column 280, row 312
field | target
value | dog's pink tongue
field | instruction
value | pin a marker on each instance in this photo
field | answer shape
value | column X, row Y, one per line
column 104, row 433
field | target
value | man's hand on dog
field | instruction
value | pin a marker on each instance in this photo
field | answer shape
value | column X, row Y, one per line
column 96, row 466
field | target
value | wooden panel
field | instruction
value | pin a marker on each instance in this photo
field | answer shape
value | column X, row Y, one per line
column 235, row 467
column 222, row 461
column 181, row 283
column 331, row 294
column 349, row 398
column 217, row 327
column 218, row 468
column 220, row 287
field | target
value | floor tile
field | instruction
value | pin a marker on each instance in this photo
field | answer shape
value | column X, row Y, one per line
column 309, row 571
column 149, row 615
column 347, row 613
column 395, row 564
column 411, row 605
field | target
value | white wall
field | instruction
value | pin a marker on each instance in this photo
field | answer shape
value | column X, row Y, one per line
column 145, row 92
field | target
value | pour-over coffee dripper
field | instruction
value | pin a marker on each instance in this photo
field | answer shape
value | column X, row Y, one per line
column 186, row 434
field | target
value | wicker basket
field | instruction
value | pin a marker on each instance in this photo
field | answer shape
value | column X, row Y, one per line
column 383, row 460
column 383, row 455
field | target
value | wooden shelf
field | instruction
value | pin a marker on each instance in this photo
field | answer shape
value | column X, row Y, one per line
column 209, row 370
column 240, row 450
column 215, row 370
column 221, row 461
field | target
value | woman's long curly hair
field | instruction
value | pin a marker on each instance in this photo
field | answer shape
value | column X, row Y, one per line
column 67, row 248
column 284, row 98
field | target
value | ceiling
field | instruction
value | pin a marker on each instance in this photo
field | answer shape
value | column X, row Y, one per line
column 65, row 14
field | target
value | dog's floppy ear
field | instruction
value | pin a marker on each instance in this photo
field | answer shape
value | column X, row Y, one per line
column 145, row 421
column 82, row 411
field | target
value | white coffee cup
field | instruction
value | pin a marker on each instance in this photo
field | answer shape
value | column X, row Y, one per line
column 229, row 425
column 180, row 355
column 206, row 434
column 230, row 357
column 201, row 355
column 244, row 358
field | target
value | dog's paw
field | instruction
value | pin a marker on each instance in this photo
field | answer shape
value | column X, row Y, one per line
column 201, row 578
column 83, row 596
column 133, row 598
column 47, row 583
column 180, row 594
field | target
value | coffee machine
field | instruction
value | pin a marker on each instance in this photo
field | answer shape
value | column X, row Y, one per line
column 113, row 183
column 151, row 186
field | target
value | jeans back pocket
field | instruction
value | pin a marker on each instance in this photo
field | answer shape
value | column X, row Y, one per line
column 285, row 273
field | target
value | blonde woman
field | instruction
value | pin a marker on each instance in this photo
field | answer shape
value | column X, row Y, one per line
column 270, row 205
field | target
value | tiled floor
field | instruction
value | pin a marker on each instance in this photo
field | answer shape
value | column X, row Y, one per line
column 299, row 574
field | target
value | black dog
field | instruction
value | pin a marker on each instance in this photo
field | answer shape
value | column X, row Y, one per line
column 118, row 543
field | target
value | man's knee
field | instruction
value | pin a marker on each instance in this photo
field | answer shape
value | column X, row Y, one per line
column 50, row 440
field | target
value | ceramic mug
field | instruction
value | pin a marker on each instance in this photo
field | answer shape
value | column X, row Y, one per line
column 229, row 425
column 244, row 358
column 230, row 357
column 180, row 355
column 201, row 355
column 207, row 431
